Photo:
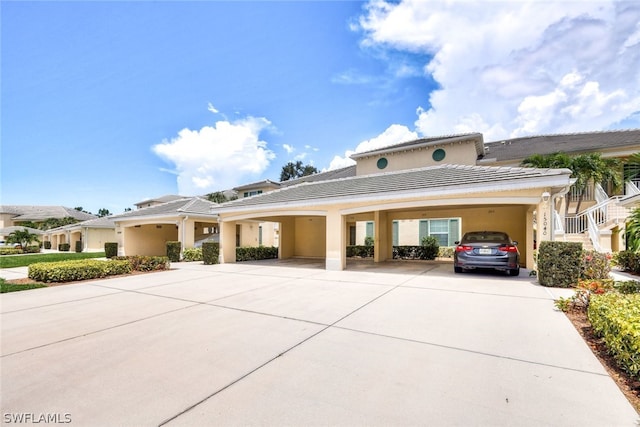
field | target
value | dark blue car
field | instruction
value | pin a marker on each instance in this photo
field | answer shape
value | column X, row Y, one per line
column 487, row 249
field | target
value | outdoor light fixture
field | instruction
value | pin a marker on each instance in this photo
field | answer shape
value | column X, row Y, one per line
column 545, row 196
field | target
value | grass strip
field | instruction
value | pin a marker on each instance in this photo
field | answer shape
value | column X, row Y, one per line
column 10, row 261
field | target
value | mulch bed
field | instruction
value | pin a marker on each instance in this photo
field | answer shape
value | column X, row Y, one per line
column 629, row 386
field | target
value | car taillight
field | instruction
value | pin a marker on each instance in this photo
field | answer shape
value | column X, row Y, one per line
column 509, row 248
column 463, row 248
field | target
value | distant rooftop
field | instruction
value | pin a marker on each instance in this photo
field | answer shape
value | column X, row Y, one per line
column 41, row 213
column 572, row 143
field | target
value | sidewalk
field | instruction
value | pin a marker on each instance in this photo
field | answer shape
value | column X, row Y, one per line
column 14, row 273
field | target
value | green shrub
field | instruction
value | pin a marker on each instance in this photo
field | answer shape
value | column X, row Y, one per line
column 64, row 247
column 559, row 263
column 47, row 244
column 192, row 254
column 111, row 249
column 78, row 246
column 173, row 251
column 359, row 251
column 146, row 263
column 10, row 251
column 446, row 252
column 430, row 247
column 595, row 265
column 628, row 261
column 68, row 271
column 616, row 318
column 254, row 253
column 627, row 286
column 210, row 252
column 33, row 249
column 368, row 241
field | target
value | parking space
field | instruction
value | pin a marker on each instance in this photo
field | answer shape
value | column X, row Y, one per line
column 289, row 343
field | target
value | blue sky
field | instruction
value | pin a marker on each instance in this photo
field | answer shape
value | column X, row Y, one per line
column 105, row 104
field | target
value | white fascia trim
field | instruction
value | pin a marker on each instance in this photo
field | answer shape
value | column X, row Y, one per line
column 525, row 184
column 164, row 219
column 443, row 202
column 252, row 216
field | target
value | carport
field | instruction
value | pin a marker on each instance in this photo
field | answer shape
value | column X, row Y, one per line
column 315, row 218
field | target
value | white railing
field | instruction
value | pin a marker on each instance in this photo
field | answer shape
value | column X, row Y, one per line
column 631, row 188
column 594, row 233
column 601, row 195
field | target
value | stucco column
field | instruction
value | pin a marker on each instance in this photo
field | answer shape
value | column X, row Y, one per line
column 382, row 237
column 530, row 243
column 287, row 243
column 227, row 241
column 336, row 257
column 544, row 220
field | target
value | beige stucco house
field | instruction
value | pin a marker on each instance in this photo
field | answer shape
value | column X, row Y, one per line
column 93, row 234
column 440, row 186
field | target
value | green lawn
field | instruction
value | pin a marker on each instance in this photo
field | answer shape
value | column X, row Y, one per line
column 8, row 261
column 12, row 287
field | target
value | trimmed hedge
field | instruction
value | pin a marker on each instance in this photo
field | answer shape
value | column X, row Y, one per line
column 47, row 244
column 111, row 249
column 68, row 271
column 64, row 247
column 78, row 246
column 210, row 252
column 559, row 263
column 146, row 263
column 192, row 254
column 173, row 251
column 616, row 318
column 10, row 251
column 254, row 253
column 628, row 261
column 365, row 251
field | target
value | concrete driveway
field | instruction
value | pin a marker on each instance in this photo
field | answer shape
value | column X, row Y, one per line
column 292, row 344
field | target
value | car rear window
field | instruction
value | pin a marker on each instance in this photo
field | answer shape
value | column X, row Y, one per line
column 487, row 237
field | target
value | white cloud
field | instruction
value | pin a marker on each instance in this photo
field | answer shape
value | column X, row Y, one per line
column 211, row 108
column 288, row 148
column 394, row 134
column 217, row 157
column 514, row 68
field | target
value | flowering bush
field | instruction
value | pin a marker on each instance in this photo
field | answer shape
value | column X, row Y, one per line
column 595, row 265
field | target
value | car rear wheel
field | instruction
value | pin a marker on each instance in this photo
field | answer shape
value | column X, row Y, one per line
column 515, row 272
column 457, row 269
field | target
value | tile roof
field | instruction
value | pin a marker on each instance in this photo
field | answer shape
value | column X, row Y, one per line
column 161, row 199
column 395, row 184
column 184, row 206
column 41, row 213
column 8, row 230
column 345, row 172
column 573, row 143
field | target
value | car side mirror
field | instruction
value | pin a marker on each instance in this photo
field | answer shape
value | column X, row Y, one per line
column 514, row 243
column 457, row 242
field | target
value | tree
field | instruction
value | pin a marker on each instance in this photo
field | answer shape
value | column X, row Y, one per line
column 24, row 237
column 555, row 161
column 633, row 231
column 587, row 169
column 296, row 170
column 103, row 212
column 219, row 197
column 592, row 168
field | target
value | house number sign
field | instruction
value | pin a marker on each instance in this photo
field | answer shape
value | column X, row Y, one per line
column 544, row 223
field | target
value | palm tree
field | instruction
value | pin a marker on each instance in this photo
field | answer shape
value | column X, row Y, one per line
column 23, row 237
column 592, row 168
column 633, row 231
column 554, row 161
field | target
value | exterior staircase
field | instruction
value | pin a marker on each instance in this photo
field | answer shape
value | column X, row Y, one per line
column 592, row 226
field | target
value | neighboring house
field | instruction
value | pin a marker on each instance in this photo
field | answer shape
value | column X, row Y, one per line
column 93, row 234
column 16, row 214
column 145, row 231
column 440, row 186
column 157, row 201
column 6, row 231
